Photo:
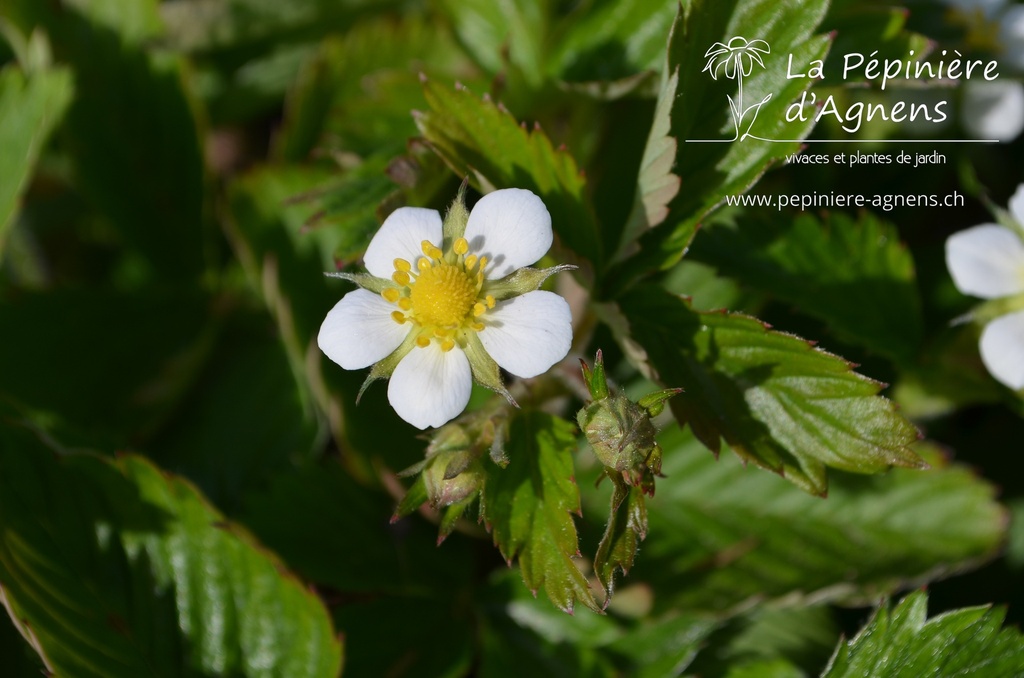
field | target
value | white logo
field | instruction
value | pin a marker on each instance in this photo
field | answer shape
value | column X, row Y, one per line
column 736, row 60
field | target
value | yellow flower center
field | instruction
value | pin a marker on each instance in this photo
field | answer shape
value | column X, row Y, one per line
column 443, row 297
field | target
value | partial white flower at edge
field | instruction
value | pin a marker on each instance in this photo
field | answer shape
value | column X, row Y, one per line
column 987, row 261
column 444, row 317
column 993, row 109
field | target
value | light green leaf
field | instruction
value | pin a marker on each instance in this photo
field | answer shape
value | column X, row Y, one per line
column 903, row 642
column 30, row 108
column 699, row 123
column 120, row 569
column 854, row 275
column 722, row 534
column 494, row 31
column 776, row 399
column 528, row 507
column 481, row 140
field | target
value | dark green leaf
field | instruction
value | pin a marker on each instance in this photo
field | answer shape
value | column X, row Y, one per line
column 131, row 359
column 855, row 275
column 528, row 507
column 30, row 107
column 700, row 113
column 481, row 140
column 132, row 134
column 494, row 32
column 902, row 641
column 615, row 39
column 721, row 534
column 119, row 569
column 776, row 399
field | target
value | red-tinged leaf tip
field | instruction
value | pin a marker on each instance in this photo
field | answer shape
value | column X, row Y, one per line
column 486, row 97
column 536, row 126
column 440, row 539
column 417, row 115
column 600, row 356
column 522, row 125
column 459, row 86
column 423, row 76
column 562, row 148
column 394, row 519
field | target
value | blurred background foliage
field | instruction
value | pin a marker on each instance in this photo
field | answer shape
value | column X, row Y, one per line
column 176, row 176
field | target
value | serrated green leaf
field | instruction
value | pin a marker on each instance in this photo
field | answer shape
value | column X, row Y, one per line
column 481, row 140
column 902, row 642
column 528, row 507
column 627, row 527
column 120, row 569
column 30, row 108
column 131, row 130
column 700, row 112
column 854, row 275
column 494, row 32
column 775, row 399
column 722, row 534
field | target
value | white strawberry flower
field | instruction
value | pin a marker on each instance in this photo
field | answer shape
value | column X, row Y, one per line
column 447, row 303
column 987, row 261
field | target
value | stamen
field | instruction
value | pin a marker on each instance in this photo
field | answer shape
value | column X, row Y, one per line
column 490, row 301
column 461, row 246
column 470, row 262
column 423, row 264
column 405, row 303
column 391, row 294
column 440, row 333
column 431, row 251
column 402, row 265
column 401, row 277
column 483, row 263
column 398, row 317
column 479, row 327
column 478, row 309
column 423, row 341
column 447, row 345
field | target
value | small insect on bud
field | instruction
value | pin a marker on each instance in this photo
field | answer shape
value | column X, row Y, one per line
column 620, row 431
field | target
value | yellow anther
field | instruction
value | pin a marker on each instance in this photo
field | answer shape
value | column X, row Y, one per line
column 478, row 309
column 447, row 345
column 470, row 262
column 402, row 265
column 401, row 277
column 398, row 317
column 461, row 246
column 423, row 264
column 405, row 303
column 430, row 250
column 490, row 301
column 423, row 341
column 479, row 327
column 483, row 263
column 440, row 333
column 391, row 294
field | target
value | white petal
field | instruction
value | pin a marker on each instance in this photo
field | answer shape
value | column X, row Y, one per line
column 1002, row 349
column 511, row 227
column 359, row 330
column 986, row 261
column 400, row 237
column 527, row 335
column 993, row 109
column 430, row 387
column 1017, row 205
column 1011, row 34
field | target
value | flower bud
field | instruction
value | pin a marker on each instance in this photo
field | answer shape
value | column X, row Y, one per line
column 452, row 476
column 620, row 431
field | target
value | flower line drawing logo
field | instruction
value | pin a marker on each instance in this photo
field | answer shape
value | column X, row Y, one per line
column 736, row 60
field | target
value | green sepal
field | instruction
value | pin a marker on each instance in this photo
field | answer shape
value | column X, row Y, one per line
column 450, row 518
column 384, row 368
column 654, row 403
column 414, row 497
column 485, row 371
column 365, row 280
column 454, row 226
column 522, row 281
column 990, row 310
column 596, row 380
